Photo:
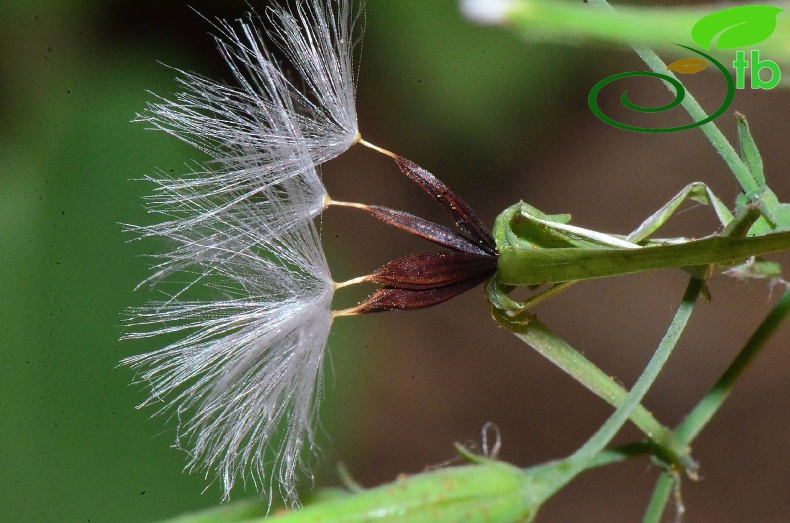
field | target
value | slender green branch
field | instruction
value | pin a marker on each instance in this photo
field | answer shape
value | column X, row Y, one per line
column 525, row 265
column 656, row 26
column 711, row 130
column 713, row 400
column 556, row 475
column 697, row 113
column 621, row 453
column 237, row 511
column 710, row 404
column 535, row 334
column 587, row 452
column 658, row 501
column 557, row 20
column 638, row 27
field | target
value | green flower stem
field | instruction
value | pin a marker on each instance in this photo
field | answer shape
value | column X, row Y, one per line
column 640, row 27
column 525, row 265
column 555, row 476
column 598, row 442
column 484, row 492
column 713, row 400
column 237, row 511
column 699, row 417
column 621, row 453
column 560, row 353
column 694, row 109
column 658, row 27
column 658, row 501
column 575, row 21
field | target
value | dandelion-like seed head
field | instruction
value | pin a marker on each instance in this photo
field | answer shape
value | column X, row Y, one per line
column 249, row 130
column 245, row 373
column 319, row 42
column 252, row 302
column 247, row 290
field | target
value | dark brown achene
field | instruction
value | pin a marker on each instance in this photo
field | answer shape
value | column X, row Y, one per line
column 429, row 278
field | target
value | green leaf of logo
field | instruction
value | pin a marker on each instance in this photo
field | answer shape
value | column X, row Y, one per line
column 736, row 27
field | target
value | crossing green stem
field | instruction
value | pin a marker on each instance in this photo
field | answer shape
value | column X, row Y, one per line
column 535, row 334
column 530, row 266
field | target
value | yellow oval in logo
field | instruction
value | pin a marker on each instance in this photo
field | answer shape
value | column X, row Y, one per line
column 688, row 65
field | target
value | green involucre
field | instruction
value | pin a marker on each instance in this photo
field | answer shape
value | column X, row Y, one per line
column 485, row 492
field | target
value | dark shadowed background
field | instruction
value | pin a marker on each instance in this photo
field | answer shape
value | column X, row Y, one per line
column 498, row 120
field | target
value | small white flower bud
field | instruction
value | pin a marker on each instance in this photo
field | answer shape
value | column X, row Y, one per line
column 486, row 12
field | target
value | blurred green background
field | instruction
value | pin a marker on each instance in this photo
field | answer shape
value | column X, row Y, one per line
column 498, row 120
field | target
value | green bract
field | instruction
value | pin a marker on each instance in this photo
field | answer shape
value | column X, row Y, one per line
column 487, row 491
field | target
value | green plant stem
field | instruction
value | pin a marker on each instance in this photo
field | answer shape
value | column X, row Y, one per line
column 525, row 265
column 711, row 130
column 658, row 501
column 639, row 27
column 621, row 453
column 484, row 492
column 585, row 455
column 702, row 413
column 237, row 511
column 697, row 113
column 707, row 407
column 558, row 20
column 699, row 417
column 550, row 478
column 658, row 27
column 535, row 334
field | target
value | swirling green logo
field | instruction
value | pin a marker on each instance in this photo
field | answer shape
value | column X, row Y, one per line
column 680, row 94
column 730, row 28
